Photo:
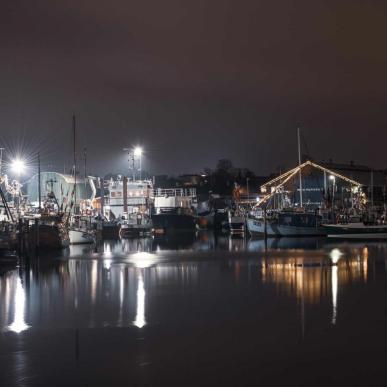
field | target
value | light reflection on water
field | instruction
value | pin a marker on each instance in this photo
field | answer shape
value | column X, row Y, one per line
column 147, row 284
column 106, row 291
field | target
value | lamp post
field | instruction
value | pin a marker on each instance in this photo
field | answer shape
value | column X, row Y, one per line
column 1, row 160
column 130, row 159
column 17, row 167
column 333, row 178
column 138, row 153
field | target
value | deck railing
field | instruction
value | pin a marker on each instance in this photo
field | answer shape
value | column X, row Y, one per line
column 170, row 192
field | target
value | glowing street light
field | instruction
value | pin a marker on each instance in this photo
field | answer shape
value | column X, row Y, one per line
column 18, row 166
column 138, row 151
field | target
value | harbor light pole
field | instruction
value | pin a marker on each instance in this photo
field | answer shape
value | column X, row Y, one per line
column 133, row 154
column 138, row 153
column 1, row 161
column 333, row 178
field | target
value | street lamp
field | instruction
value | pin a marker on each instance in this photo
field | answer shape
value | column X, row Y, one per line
column 333, row 178
column 134, row 153
column 138, row 153
column 18, row 166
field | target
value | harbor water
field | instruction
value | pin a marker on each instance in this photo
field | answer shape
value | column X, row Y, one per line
column 197, row 310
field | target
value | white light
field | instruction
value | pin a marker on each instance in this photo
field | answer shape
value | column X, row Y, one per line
column 335, row 255
column 143, row 260
column 335, row 281
column 19, row 324
column 107, row 264
column 18, row 166
column 137, row 151
column 331, row 177
column 257, row 199
column 139, row 322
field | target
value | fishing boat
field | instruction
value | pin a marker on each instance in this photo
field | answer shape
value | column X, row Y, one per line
column 49, row 232
column 8, row 239
column 358, row 230
column 236, row 222
column 135, row 225
column 173, row 220
column 285, row 211
column 110, row 229
column 80, row 231
column 174, row 210
column 49, row 229
column 286, row 223
column 79, row 236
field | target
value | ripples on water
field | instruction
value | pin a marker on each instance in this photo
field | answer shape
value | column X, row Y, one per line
column 196, row 309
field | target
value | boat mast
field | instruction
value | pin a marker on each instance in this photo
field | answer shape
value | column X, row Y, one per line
column 1, row 161
column 39, row 184
column 85, row 164
column 75, row 167
column 299, row 163
column 372, row 190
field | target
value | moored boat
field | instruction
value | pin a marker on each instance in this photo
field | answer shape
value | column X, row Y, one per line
column 50, row 232
column 174, row 210
column 236, row 222
column 284, row 223
column 173, row 220
column 357, row 230
column 80, row 236
column 135, row 225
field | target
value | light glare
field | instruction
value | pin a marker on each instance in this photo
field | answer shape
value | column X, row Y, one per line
column 138, row 151
column 18, row 166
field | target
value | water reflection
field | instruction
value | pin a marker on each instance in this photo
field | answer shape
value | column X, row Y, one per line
column 110, row 289
column 19, row 325
column 334, row 293
column 212, row 297
column 139, row 322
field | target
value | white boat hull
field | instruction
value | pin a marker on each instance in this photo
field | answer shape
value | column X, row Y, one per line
column 257, row 228
column 78, row 237
column 356, row 231
column 359, row 236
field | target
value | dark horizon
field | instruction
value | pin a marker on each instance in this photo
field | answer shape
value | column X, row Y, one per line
column 193, row 83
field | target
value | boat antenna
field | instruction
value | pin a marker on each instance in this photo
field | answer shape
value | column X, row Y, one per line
column 299, row 163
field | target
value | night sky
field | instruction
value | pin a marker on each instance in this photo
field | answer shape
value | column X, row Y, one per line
column 194, row 81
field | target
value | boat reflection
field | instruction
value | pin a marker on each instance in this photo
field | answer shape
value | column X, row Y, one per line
column 105, row 290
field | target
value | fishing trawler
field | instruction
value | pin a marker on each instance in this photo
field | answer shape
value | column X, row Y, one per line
column 236, row 218
column 8, row 227
column 137, row 224
column 285, row 211
column 50, row 232
column 174, row 210
column 126, row 209
column 49, row 229
column 285, row 223
column 236, row 222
